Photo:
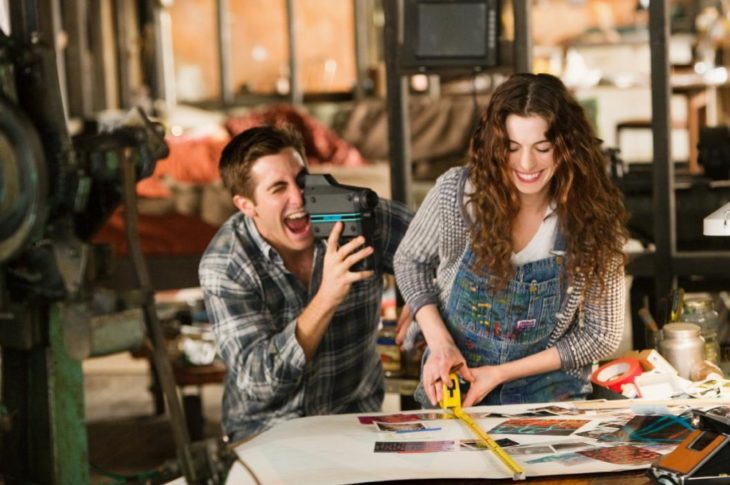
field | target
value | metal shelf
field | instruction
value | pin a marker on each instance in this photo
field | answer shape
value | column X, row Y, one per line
column 668, row 263
column 397, row 88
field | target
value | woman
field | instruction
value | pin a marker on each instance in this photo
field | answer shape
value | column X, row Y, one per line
column 513, row 265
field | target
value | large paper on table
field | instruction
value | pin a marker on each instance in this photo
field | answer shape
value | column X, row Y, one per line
column 340, row 449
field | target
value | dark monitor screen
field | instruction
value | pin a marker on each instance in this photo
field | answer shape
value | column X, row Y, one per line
column 451, row 30
column 449, row 34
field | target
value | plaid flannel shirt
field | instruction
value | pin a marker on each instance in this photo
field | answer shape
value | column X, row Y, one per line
column 253, row 302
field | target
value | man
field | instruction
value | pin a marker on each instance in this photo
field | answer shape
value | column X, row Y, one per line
column 294, row 325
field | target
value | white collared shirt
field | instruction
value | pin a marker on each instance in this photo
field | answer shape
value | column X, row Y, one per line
column 542, row 243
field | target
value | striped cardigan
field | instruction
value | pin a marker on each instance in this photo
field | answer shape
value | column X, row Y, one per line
column 590, row 322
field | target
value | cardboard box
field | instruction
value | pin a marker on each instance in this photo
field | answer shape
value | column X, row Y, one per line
column 652, row 361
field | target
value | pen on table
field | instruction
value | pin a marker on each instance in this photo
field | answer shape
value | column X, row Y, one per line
column 400, row 431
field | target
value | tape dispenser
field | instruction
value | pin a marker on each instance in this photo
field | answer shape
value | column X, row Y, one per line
column 703, row 457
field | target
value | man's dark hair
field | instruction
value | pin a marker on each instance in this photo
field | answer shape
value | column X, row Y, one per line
column 248, row 146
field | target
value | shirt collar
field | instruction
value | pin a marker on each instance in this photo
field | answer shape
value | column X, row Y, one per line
column 551, row 208
column 266, row 249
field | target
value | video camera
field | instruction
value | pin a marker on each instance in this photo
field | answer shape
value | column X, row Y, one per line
column 329, row 202
column 703, row 456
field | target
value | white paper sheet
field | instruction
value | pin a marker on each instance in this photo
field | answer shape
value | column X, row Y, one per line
column 339, row 449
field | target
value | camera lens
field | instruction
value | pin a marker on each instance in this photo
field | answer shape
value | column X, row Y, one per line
column 365, row 199
column 302, row 179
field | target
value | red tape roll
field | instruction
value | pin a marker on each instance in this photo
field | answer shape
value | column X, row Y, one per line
column 616, row 373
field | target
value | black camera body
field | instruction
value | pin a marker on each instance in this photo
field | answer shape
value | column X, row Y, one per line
column 329, row 202
column 703, row 457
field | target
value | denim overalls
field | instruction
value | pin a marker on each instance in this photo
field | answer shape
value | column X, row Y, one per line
column 493, row 328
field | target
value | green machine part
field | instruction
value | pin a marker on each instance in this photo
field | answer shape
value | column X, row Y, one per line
column 43, row 431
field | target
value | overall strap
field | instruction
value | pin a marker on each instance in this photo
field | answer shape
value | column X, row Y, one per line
column 559, row 247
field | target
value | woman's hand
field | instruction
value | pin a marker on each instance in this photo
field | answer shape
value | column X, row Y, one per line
column 404, row 323
column 486, row 378
column 442, row 360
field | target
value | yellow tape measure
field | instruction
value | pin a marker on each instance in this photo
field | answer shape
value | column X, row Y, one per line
column 452, row 403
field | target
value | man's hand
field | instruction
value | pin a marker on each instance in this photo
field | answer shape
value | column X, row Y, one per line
column 442, row 360
column 336, row 275
column 336, row 282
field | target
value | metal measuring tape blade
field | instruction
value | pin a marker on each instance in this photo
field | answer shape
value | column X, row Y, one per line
column 451, row 402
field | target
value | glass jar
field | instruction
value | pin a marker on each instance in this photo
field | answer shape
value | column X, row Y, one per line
column 683, row 347
column 700, row 310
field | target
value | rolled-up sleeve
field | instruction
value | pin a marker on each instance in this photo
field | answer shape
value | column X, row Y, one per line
column 265, row 362
column 598, row 326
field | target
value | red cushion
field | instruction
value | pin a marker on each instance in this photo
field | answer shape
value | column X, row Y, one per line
column 168, row 235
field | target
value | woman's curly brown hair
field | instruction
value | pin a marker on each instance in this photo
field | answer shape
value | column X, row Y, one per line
column 589, row 206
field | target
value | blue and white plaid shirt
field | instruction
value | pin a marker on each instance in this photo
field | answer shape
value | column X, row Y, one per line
column 253, row 302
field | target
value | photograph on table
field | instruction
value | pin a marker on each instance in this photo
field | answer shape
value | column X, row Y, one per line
column 604, row 429
column 400, row 418
column 569, row 445
column 652, row 429
column 565, row 459
column 622, row 455
column 549, row 448
column 557, row 427
column 397, row 427
column 536, row 449
column 555, row 410
column 413, row 446
column 481, row 445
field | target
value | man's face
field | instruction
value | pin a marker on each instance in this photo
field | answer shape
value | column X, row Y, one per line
column 277, row 207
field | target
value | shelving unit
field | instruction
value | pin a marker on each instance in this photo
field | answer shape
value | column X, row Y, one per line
column 665, row 264
column 516, row 56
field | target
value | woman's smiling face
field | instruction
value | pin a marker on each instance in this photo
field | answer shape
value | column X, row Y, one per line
column 531, row 159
